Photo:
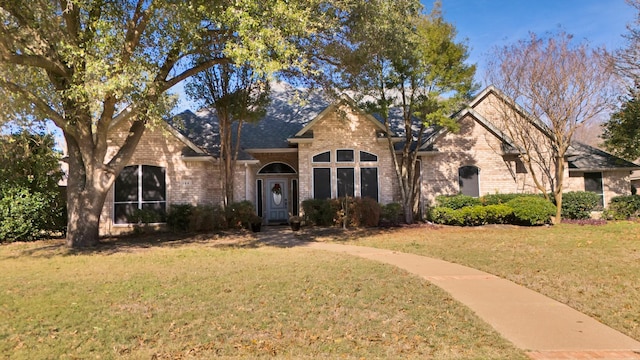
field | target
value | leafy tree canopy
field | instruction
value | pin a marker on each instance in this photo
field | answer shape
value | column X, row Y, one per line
column 622, row 132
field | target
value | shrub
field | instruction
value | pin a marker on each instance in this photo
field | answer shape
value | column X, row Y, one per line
column 623, row 207
column 207, row 218
column 239, row 214
column 445, row 216
column 391, row 213
column 318, row 212
column 457, row 201
column 532, row 210
column 22, row 214
column 578, row 204
column 366, row 212
column 179, row 216
column 498, row 214
column 495, row 199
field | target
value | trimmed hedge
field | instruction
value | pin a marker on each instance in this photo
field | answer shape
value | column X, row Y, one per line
column 623, row 207
column 204, row 218
column 532, row 210
column 457, row 201
column 519, row 209
column 577, row 205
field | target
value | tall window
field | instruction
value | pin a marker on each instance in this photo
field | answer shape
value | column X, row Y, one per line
column 593, row 182
column 321, row 183
column 139, row 187
column 346, row 179
column 369, row 183
column 468, row 180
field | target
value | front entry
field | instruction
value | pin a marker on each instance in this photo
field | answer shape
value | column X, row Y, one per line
column 277, row 202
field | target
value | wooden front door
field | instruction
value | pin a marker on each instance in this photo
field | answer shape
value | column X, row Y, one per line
column 277, row 202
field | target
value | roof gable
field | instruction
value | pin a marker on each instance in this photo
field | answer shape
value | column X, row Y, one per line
column 307, row 130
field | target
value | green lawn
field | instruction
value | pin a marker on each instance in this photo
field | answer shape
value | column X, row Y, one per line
column 595, row 269
column 195, row 300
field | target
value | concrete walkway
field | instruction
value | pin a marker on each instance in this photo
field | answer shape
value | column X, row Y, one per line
column 543, row 327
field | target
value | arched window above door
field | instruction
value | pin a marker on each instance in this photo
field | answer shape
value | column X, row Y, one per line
column 277, row 168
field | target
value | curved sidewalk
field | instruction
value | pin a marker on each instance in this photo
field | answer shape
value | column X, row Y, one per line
column 545, row 328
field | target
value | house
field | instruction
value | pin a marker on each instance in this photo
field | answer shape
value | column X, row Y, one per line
column 321, row 149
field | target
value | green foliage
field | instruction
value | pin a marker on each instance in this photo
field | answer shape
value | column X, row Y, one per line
column 32, row 205
column 498, row 214
column 494, row 199
column 578, row 204
column 622, row 131
column 239, row 214
column 532, row 210
column 457, row 201
column 318, row 212
column 623, row 207
column 179, row 217
column 391, row 213
column 22, row 214
column 475, row 215
column 207, row 218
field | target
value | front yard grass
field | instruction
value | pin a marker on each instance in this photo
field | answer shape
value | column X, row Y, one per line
column 194, row 300
column 594, row 269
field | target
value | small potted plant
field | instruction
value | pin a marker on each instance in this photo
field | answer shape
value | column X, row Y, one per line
column 294, row 222
column 256, row 223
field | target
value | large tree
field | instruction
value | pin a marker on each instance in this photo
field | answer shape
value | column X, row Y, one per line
column 236, row 95
column 621, row 132
column 408, row 69
column 628, row 58
column 87, row 65
column 556, row 86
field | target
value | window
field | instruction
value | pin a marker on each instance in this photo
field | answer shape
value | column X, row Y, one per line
column 277, row 168
column 345, row 182
column 344, row 155
column 468, row 180
column 365, row 156
column 139, row 187
column 369, row 183
column 593, row 182
column 259, row 197
column 294, row 198
column 324, row 157
column 321, row 183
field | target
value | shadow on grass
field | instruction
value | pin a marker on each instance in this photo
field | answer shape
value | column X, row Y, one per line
column 270, row 236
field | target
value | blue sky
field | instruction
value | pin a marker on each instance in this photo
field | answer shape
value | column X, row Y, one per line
column 489, row 23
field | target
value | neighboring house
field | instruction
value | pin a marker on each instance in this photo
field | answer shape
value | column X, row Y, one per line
column 317, row 149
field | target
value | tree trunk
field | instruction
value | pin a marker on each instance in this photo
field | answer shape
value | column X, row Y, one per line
column 83, row 222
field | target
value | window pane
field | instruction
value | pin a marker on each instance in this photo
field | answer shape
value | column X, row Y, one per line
column 344, row 155
column 126, row 187
column 369, row 183
column 294, row 197
column 345, row 182
column 259, row 197
column 593, row 182
column 153, row 183
column 468, row 181
column 123, row 212
column 322, row 158
column 321, row 183
column 365, row 156
column 277, row 168
column 159, row 208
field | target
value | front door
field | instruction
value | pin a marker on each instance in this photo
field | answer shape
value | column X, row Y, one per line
column 277, row 204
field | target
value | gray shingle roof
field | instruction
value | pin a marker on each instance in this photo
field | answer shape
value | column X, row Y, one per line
column 587, row 158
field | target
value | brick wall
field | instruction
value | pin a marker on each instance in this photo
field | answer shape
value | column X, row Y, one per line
column 346, row 129
column 192, row 182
